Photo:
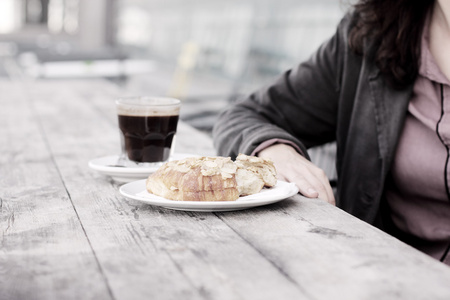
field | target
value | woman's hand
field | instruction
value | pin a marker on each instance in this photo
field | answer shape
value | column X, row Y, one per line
column 292, row 167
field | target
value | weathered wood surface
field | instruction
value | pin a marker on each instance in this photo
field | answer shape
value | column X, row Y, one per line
column 68, row 234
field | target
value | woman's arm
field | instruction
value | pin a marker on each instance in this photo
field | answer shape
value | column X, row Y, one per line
column 300, row 107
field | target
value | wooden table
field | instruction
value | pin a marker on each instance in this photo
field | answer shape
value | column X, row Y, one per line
column 67, row 233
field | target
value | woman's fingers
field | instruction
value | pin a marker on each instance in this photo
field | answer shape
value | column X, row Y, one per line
column 305, row 187
column 325, row 190
column 311, row 181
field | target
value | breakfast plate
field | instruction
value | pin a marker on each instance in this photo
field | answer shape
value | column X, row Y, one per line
column 107, row 165
column 282, row 190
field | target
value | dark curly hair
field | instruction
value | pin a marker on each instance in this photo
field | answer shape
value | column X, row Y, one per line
column 395, row 28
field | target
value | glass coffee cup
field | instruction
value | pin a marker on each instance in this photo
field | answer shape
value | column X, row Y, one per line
column 147, row 129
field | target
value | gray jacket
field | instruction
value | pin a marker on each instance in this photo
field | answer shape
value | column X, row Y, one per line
column 334, row 96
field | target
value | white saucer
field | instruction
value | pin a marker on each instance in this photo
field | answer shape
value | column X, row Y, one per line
column 282, row 190
column 107, row 166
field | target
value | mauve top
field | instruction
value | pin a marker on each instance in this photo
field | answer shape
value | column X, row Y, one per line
column 418, row 195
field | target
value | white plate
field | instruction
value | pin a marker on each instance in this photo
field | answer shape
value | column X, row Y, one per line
column 106, row 166
column 282, row 190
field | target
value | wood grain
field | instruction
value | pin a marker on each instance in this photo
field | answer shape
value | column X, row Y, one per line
column 142, row 249
column 67, row 233
column 43, row 246
column 333, row 255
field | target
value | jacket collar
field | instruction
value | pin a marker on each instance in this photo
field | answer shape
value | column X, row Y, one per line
column 391, row 106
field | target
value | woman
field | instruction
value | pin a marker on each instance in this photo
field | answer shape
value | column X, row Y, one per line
column 380, row 88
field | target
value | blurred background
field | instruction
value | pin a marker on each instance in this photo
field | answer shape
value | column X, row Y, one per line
column 207, row 53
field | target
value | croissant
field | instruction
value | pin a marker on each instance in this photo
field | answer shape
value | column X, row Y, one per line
column 212, row 178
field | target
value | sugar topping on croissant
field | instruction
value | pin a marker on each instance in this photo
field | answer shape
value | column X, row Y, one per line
column 212, row 178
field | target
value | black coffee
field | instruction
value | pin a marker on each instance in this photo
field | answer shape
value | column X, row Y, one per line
column 148, row 139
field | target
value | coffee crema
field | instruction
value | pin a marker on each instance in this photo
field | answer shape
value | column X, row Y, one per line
column 148, row 138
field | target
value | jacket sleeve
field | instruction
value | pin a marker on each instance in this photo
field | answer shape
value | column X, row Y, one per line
column 301, row 106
